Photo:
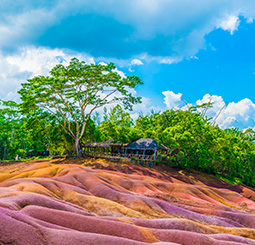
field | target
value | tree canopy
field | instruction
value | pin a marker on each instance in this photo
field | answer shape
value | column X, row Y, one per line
column 72, row 93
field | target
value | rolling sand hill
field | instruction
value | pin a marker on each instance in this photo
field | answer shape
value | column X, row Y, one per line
column 78, row 202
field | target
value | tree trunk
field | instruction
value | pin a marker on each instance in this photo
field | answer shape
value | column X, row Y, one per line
column 77, row 147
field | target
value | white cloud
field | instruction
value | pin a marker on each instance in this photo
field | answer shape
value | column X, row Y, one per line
column 230, row 24
column 103, row 63
column 10, row 79
column 217, row 101
column 145, row 107
column 39, row 61
column 239, row 114
column 20, row 28
column 250, row 20
column 172, row 100
column 149, row 20
column 191, row 19
column 161, row 59
column 136, row 62
column 28, row 62
column 11, row 96
column 194, row 57
column 121, row 73
column 167, row 60
column 186, row 107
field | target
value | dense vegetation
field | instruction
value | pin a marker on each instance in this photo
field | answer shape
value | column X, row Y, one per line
column 194, row 143
column 72, row 93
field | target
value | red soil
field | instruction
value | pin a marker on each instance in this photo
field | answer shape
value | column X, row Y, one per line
column 85, row 202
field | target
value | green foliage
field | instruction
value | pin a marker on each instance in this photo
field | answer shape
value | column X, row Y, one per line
column 195, row 144
column 117, row 125
column 12, row 138
column 59, row 109
column 72, row 93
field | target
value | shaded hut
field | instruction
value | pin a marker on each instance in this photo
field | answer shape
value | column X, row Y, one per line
column 144, row 147
column 116, row 146
column 109, row 146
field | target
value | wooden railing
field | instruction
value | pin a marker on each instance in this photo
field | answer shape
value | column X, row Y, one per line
column 124, row 156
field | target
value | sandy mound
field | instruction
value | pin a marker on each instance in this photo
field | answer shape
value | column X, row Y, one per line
column 85, row 202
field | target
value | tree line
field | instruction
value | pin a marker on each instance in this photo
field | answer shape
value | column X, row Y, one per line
column 58, row 112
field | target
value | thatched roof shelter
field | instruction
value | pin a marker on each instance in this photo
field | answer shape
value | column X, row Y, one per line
column 145, row 144
column 103, row 144
column 112, row 142
column 89, row 144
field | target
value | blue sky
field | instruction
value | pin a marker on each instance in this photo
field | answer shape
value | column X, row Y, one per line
column 193, row 51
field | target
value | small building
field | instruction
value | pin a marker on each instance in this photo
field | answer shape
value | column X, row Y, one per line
column 116, row 146
column 109, row 146
column 144, row 147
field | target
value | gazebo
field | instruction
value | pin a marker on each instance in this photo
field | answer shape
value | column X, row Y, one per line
column 104, row 146
column 144, row 147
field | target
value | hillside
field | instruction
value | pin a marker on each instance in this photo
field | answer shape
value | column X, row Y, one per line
column 99, row 202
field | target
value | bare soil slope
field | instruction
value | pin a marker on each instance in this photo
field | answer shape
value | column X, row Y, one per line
column 99, row 202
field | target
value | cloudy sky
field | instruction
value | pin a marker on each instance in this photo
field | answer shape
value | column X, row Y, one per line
column 185, row 51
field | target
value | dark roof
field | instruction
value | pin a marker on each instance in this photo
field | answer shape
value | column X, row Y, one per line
column 145, row 144
column 141, row 144
column 103, row 144
column 88, row 144
column 114, row 143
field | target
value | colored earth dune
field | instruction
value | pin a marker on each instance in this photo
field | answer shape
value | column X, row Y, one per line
column 85, row 202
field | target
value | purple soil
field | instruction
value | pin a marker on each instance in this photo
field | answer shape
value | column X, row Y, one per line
column 105, row 203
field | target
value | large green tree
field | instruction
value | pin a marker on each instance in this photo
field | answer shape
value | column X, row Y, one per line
column 72, row 93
